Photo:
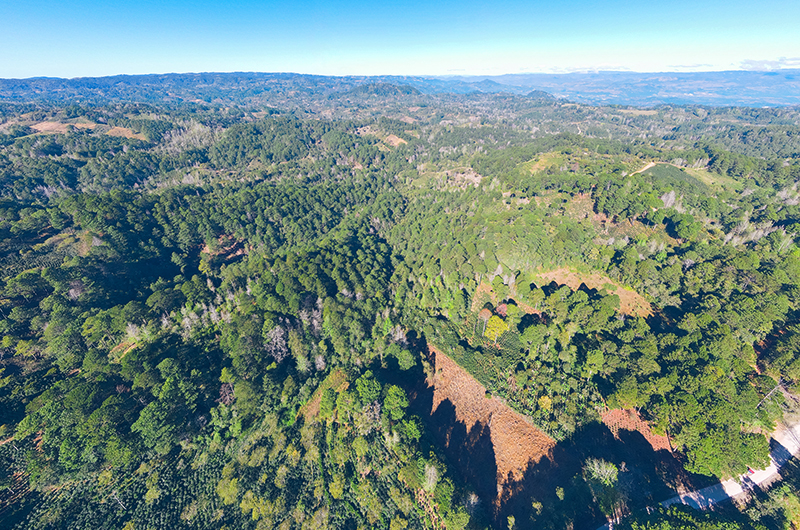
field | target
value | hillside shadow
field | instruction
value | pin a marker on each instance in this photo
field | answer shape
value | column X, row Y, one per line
column 468, row 449
column 646, row 477
column 780, row 454
column 552, row 492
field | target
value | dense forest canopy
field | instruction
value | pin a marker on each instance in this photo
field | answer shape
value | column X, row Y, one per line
column 222, row 314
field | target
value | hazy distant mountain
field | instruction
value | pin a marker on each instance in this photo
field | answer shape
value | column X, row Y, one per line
column 742, row 88
column 775, row 88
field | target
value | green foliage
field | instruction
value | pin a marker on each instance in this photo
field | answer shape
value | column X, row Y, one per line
column 369, row 389
column 170, row 306
column 395, row 402
column 685, row 518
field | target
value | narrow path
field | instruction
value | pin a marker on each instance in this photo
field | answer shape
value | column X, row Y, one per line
column 645, row 168
column 784, row 443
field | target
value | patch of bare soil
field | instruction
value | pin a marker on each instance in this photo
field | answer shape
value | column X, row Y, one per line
column 228, row 248
column 52, row 127
column 394, row 141
column 125, row 133
column 630, row 302
column 482, row 293
column 55, row 127
column 337, row 380
column 122, row 349
column 630, row 420
column 517, row 444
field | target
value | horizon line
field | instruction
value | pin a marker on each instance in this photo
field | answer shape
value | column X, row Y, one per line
column 448, row 75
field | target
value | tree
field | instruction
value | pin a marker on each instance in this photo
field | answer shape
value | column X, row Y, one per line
column 395, row 402
column 494, row 328
column 327, row 404
column 368, row 388
column 601, row 471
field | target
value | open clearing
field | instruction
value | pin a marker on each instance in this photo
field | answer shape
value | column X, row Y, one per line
column 125, row 133
column 336, row 380
column 55, row 127
column 645, row 168
column 516, row 443
column 630, row 302
column 510, row 464
column 543, row 161
column 483, row 292
column 713, row 180
column 390, row 139
column 394, row 141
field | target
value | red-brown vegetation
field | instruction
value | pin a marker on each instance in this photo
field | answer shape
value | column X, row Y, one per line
column 630, row 420
column 517, row 443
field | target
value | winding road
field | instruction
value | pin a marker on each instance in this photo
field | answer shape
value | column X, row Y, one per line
column 784, row 444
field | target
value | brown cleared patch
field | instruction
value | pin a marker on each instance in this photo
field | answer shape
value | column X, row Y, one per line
column 336, row 380
column 630, row 302
column 429, row 506
column 394, row 141
column 122, row 349
column 124, row 132
column 630, row 420
column 517, row 443
column 543, row 161
column 227, row 249
column 408, row 119
column 51, row 127
column 38, row 441
column 483, row 291
column 390, row 139
column 55, row 127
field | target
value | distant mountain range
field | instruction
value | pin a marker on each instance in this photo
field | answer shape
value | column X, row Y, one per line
column 747, row 88
column 732, row 88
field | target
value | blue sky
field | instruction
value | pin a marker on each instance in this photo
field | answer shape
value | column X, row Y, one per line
column 72, row 38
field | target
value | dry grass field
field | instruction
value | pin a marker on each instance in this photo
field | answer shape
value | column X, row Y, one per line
column 630, row 302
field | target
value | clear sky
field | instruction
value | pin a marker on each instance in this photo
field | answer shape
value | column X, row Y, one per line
column 77, row 38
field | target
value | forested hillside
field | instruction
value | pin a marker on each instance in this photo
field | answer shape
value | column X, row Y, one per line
column 225, row 313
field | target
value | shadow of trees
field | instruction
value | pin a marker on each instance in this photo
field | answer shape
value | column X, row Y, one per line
column 552, row 492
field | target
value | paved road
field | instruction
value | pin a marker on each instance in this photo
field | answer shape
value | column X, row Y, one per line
column 784, row 444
